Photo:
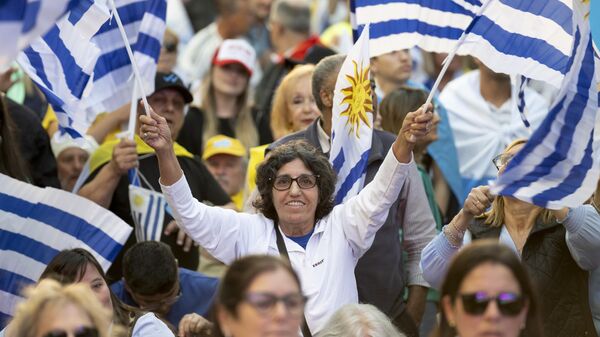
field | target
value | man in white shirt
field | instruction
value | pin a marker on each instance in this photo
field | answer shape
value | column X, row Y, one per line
column 484, row 119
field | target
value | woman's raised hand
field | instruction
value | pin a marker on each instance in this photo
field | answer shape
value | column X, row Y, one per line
column 478, row 201
column 155, row 131
column 415, row 126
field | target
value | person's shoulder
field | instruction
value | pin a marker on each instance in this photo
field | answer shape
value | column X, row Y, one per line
column 386, row 137
column 459, row 83
column 288, row 138
column 148, row 325
column 191, row 277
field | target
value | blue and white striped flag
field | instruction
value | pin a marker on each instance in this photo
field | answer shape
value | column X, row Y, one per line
column 530, row 38
column 62, row 63
column 148, row 212
column 560, row 165
column 36, row 223
column 352, row 120
column 82, row 65
column 24, row 21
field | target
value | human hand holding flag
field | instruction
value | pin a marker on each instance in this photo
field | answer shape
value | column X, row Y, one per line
column 416, row 126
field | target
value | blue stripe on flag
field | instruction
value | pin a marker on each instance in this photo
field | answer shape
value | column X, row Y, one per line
column 572, row 182
column 148, row 215
column 68, row 223
column 338, row 161
column 521, row 46
column 355, row 174
column 13, row 10
column 131, row 13
column 13, row 283
column 75, row 77
column 77, row 12
column 383, row 29
column 4, row 319
column 554, row 10
column 443, row 6
column 36, row 62
column 27, row 246
column 148, row 45
column 31, row 16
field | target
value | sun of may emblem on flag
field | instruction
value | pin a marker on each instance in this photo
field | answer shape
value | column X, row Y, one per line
column 358, row 98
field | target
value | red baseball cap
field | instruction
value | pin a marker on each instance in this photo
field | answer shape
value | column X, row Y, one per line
column 236, row 51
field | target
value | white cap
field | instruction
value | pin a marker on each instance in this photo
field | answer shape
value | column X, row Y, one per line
column 59, row 143
column 236, row 51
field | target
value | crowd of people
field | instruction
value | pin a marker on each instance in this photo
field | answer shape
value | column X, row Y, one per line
column 237, row 140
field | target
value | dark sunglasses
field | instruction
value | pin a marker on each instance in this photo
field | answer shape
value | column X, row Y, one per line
column 83, row 331
column 509, row 304
column 304, row 181
column 501, row 160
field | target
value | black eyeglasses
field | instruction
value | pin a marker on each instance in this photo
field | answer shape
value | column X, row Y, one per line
column 304, row 181
column 509, row 304
column 265, row 302
column 83, row 331
column 501, row 160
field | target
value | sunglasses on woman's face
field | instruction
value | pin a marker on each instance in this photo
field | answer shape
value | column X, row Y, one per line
column 509, row 304
column 83, row 331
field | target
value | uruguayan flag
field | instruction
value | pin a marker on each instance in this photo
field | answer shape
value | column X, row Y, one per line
column 559, row 165
column 352, row 120
column 144, row 23
column 532, row 38
column 82, row 65
column 147, row 211
column 24, row 21
column 36, row 223
column 62, row 62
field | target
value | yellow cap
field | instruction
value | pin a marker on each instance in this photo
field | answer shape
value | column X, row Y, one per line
column 220, row 144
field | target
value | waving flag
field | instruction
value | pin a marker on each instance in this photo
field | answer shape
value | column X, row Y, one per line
column 24, row 21
column 36, row 223
column 82, row 66
column 352, row 120
column 531, row 38
column 560, row 165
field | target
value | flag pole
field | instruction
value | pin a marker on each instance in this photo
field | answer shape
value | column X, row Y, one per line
column 136, row 71
column 450, row 57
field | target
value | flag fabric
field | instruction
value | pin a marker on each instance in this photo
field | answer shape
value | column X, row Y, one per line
column 148, row 212
column 82, row 65
column 560, row 164
column 24, row 21
column 531, row 38
column 352, row 120
column 62, row 62
column 36, row 223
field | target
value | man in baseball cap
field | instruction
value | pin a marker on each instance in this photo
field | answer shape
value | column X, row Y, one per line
column 225, row 158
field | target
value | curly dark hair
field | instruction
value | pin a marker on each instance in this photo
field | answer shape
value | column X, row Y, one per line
column 313, row 159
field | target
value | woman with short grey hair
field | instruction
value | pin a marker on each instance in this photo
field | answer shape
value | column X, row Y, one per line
column 359, row 320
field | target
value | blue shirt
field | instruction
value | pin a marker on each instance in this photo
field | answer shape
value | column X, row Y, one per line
column 197, row 294
column 302, row 241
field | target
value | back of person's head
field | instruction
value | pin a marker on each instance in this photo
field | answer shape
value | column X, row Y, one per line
column 11, row 161
column 50, row 307
column 479, row 253
column 397, row 104
column 239, row 277
column 324, row 77
column 359, row 320
column 150, row 268
column 293, row 15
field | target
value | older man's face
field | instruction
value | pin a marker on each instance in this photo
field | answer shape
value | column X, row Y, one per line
column 229, row 171
column 69, row 164
column 169, row 103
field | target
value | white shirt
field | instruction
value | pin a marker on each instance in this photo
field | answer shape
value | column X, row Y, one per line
column 150, row 326
column 197, row 57
column 326, row 267
column 481, row 130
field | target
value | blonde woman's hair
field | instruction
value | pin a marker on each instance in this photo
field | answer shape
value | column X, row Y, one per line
column 245, row 129
column 495, row 216
column 281, row 121
column 48, row 295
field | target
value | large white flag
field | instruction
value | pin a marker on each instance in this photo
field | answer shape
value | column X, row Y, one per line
column 352, row 120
